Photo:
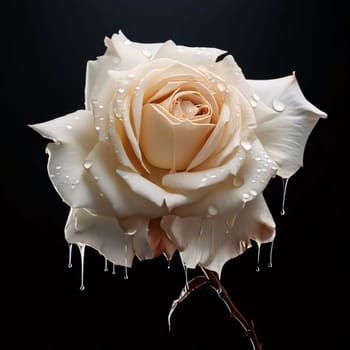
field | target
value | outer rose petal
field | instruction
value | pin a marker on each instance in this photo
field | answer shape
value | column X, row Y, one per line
column 75, row 136
column 101, row 233
column 121, row 54
column 194, row 56
column 119, row 241
column 213, row 241
column 284, row 134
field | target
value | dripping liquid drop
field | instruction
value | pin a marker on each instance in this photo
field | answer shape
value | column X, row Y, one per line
column 82, row 258
column 70, row 246
column 284, row 184
column 258, row 258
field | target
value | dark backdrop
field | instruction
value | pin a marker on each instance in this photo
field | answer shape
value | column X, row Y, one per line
column 297, row 304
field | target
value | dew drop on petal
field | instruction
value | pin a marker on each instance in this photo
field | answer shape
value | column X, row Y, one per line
column 147, row 53
column 253, row 193
column 256, row 97
column 127, row 42
column 69, row 127
column 58, row 167
column 121, row 90
column 252, row 103
column 87, row 164
column 131, row 231
column 278, row 106
column 212, row 211
column 221, row 87
column 247, row 145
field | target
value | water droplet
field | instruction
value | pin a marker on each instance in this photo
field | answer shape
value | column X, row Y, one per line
column 131, row 75
column 147, row 53
column 212, row 211
column 106, row 265
column 76, row 117
column 97, row 128
column 127, row 42
column 246, row 144
column 284, row 186
column 73, row 186
column 169, row 264
column 82, row 257
column 131, row 231
column 245, row 196
column 67, row 177
column 252, row 103
column 253, row 193
column 70, row 246
column 87, row 164
column 278, row 106
column 121, row 90
column 256, row 97
column 69, row 127
column 221, row 87
column 58, row 167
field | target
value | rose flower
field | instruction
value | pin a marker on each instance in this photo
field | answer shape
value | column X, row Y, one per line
column 173, row 151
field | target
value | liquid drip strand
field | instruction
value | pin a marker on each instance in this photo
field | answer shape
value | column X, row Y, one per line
column 82, row 258
column 113, row 269
column 70, row 246
column 106, row 265
column 284, row 184
column 270, row 256
column 126, row 261
column 258, row 259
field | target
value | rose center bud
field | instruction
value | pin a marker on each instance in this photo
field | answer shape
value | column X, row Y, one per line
column 174, row 129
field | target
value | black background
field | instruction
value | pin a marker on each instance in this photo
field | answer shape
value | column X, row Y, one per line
column 297, row 304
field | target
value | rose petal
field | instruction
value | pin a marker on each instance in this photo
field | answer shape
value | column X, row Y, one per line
column 194, row 56
column 137, row 228
column 213, row 241
column 170, row 145
column 159, row 240
column 152, row 192
column 254, row 174
column 74, row 136
column 284, row 134
column 113, row 185
column 101, row 233
column 213, row 140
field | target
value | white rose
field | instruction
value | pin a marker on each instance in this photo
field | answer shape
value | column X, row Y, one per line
column 173, row 151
